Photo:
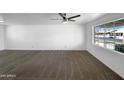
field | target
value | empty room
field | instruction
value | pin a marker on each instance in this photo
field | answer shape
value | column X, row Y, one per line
column 61, row 46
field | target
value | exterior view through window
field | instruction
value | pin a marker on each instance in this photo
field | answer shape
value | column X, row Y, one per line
column 110, row 35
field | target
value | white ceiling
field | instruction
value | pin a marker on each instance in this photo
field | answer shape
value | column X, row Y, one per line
column 45, row 18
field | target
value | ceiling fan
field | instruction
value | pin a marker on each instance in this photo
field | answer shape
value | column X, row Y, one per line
column 65, row 19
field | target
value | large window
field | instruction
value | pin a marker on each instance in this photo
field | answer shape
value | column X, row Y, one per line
column 110, row 35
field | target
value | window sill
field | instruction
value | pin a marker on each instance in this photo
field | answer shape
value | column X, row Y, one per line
column 109, row 49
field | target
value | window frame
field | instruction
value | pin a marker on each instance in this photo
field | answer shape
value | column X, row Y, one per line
column 93, row 35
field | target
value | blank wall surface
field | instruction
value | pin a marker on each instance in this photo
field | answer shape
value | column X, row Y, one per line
column 45, row 37
column 2, row 37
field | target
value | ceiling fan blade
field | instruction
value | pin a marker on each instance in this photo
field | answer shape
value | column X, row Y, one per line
column 62, row 15
column 56, row 19
column 74, row 17
column 72, row 20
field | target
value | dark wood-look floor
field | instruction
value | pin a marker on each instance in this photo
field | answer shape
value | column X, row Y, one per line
column 53, row 65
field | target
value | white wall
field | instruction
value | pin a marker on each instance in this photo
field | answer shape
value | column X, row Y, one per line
column 1, row 37
column 113, row 60
column 45, row 37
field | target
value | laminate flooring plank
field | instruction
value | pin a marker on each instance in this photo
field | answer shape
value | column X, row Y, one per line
column 53, row 65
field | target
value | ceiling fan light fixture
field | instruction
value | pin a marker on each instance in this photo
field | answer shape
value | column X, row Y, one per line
column 67, row 19
column 1, row 21
column 65, row 22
